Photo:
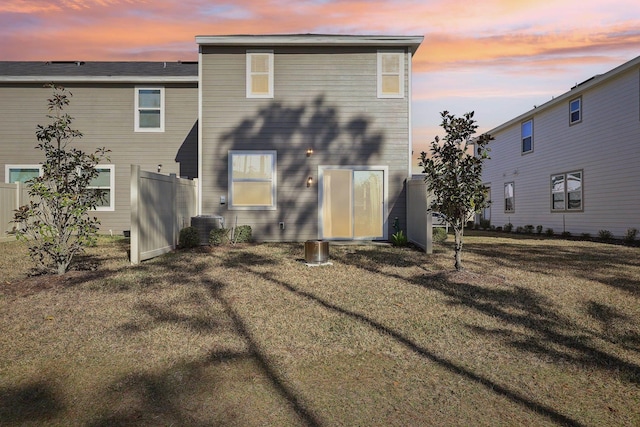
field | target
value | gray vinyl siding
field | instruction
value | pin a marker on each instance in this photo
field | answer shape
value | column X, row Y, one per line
column 324, row 98
column 605, row 146
column 104, row 113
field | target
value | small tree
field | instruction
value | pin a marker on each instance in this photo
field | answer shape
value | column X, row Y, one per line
column 56, row 223
column 454, row 173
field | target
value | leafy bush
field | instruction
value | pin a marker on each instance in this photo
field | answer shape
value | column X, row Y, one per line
column 538, row 229
column 508, row 227
column 605, row 235
column 439, row 234
column 189, row 238
column 519, row 230
column 631, row 235
column 499, row 229
column 549, row 232
column 485, row 224
column 219, row 236
column 566, row 234
column 399, row 239
column 585, row 235
column 528, row 229
column 242, row 234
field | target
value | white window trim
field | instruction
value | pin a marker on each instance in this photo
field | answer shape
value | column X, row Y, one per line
column 274, row 180
column 579, row 110
column 513, row 197
column 112, row 188
column 566, row 207
column 400, row 55
column 7, row 169
column 249, row 85
column 137, row 127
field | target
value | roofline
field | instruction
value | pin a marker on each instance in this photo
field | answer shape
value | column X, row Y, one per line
column 413, row 42
column 572, row 93
column 99, row 79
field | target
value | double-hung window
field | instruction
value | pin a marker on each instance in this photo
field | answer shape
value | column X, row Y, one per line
column 566, row 192
column 149, row 114
column 104, row 183
column 21, row 173
column 259, row 74
column 252, row 180
column 390, row 74
column 509, row 198
column 575, row 111
column 527, row 136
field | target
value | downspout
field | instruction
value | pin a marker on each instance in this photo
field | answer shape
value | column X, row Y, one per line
column 410, row 114
column 200, row 177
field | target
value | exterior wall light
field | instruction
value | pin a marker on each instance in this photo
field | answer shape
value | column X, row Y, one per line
column 309, row 181
column 309, row 152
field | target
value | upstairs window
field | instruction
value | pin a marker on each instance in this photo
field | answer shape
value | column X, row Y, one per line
column 509, row 198
column 390, row 75
column 575, row 111
column 252, row 180
column 260, row 74
column 566, row 192
column 527, row 136
column 21, row 173
column 149, row 109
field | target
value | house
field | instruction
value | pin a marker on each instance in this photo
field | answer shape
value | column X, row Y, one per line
column 299, row 136
column 571, row 164
column 306, row 136
column 146, row 113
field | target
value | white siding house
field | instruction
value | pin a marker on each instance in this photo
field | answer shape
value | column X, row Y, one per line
column 572, row 164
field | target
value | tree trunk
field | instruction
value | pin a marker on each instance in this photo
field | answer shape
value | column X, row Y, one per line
column 458, row 247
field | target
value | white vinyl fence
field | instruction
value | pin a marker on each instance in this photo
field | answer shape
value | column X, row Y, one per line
column 161, row 206
column 419, row 220
column 12, row 196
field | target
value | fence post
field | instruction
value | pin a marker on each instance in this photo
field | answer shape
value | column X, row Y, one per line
column 134, row 234
column 174, row 211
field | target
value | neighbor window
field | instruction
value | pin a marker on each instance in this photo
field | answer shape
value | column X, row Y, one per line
column 149, row 103
column 509, row 197
column 105, row 184
column 566, row 192
column 260, row 74
column 527, row 136
column 252, row 180
column 575, row 111
column 22, row 173
column 390, row 75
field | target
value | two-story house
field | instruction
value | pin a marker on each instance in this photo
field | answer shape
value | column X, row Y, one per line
column 146, row 113
column 300, row 136
column 571, row 164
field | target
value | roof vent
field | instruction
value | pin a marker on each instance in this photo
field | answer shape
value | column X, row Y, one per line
column 77, row 63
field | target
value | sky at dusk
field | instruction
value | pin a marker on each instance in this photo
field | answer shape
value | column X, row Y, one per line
column 498, row 58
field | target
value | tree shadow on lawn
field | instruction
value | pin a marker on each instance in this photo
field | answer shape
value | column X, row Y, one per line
column 548, row 334
column 600, row 262
column 36, row 401
column 449, row 365
column 160, row 400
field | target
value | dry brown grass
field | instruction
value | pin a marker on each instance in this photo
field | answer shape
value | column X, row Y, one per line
column 534, row 332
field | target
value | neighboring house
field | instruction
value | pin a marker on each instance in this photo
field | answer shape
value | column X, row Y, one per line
column 299, row 136
column 572, row 163
column 145, row 112
column 306, row 136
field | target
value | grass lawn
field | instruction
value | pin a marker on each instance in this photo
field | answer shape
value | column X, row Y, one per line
column 533, row 332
